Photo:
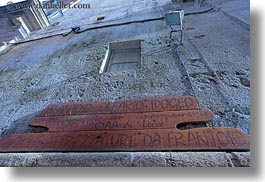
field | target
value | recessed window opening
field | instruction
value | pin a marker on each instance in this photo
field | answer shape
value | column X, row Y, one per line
column 122, row 56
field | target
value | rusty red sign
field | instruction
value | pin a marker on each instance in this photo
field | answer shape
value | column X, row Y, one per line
column 128, row 140
column 126, row 106
column 129, row 121
column 131, row 125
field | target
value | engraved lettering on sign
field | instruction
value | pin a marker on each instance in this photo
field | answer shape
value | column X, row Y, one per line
column 236, row 137
column 127, row 106
column 202, row 139
column 175, row 139
column 168, row 119
column 132, row 140
column 130, row 125
column 192, row 139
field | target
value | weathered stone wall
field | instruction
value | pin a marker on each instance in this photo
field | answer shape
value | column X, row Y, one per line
column 127, row 159
column 160, row 75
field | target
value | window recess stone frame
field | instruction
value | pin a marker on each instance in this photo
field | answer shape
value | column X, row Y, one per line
column 122, row 56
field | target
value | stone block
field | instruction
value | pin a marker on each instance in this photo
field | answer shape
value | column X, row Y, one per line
column 65, row 160
column 149, row 159
column 126, row 159
column 199, row 159
column 241, row 159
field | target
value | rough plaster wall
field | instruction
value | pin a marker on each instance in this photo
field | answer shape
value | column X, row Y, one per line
column 219, row 65
column 71, row 73
column 74, row 76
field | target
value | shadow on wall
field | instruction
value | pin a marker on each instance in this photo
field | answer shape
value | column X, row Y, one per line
column 21, row 126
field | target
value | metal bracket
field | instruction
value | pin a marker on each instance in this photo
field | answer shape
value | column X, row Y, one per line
column 175, row 18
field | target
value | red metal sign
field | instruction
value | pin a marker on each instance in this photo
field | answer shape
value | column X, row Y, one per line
column 130, row 125
column 128, row 140
column 126, row 106
column 129, row 121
